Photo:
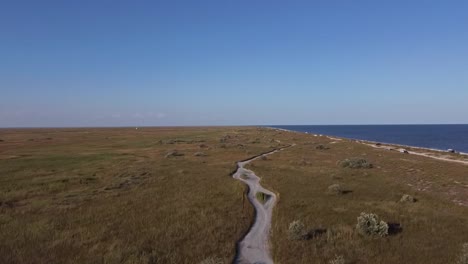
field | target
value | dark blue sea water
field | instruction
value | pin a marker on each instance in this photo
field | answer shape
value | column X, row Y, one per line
column 440, row 137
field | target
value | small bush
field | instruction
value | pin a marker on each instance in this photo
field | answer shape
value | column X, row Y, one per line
column 355, row 163
column 296, row 230
column 406, row 198
column 212, row 260
column 173, row 153
column 264, row 158
column 321, row 147
column 463, row 257
column 199, row 154
column 337, row 260
column 371, row 225
column 335, row 189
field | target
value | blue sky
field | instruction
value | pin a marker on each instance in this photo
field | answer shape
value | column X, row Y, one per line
column 135, row 63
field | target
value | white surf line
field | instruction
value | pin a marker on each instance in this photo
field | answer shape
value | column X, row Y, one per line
column 254, row 247
column 418, row 153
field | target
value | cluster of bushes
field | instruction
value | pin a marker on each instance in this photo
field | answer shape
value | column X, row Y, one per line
column 176, row 141
column 224, row 138
column 355, row 163
column 369, row 224
column 321, row 147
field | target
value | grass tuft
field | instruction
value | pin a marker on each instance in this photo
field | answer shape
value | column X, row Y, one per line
column 212, row 260
column 296, row 230
column 463, row 257
column 335, row 189
column 406, row 198
column 337, row 260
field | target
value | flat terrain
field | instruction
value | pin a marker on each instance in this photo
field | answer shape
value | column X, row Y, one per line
column 112, row 195
column 165, row 195
column 431, row 230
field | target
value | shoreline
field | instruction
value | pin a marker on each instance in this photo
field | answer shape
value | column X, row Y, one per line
column 394, row 147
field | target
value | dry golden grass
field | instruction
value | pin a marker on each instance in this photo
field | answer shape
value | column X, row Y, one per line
column 432, row 229
column 145, row 196
column 111, row 195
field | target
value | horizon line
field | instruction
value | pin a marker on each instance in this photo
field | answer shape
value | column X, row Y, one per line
column 180, row 126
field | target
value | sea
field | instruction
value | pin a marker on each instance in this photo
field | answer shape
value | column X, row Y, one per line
column 441, row 137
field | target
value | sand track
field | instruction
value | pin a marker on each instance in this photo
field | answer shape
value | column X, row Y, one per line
column 254, row 247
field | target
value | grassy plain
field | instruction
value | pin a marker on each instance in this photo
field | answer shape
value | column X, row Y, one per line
column 164, row 195
column 431, row 230
column 112, row 196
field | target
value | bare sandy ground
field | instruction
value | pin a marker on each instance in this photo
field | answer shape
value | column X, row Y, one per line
column 254, row 247
column 420, row 152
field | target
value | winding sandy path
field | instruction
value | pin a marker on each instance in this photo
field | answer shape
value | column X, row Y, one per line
column 254, row 247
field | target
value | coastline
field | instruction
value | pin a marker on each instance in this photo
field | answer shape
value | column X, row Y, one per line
column 414, row 150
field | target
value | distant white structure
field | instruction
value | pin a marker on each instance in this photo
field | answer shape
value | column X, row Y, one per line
column 403, row 151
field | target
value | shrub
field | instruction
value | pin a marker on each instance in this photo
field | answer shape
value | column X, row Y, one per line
column 335, row 189
column 199, row 154
column 463, row 257
column 321, row 147
column 173, row 153
column 337, row 260
column 370, row 224
column 407, row 198
column 212, row 260
column 355, row 163
column 264, row 157
column 296, row 230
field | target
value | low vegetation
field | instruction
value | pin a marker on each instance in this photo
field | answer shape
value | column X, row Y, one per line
column 111, row 196
column 463, row 256
column 321, row 147
column 429, row 231
column 296, row 230
column 212, row 260
column 370, row 225
column 355, row 163
column 173, row 153
column 337, row 260
column 406, row 198
column 262, row 197
column 200, row 154
column 335, row 189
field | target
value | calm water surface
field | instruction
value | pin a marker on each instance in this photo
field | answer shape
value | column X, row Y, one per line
column 440, row 137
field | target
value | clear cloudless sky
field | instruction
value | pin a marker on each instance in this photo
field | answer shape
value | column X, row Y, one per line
column 222, row 62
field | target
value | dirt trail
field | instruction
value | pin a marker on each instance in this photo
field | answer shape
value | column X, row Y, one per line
column 254, row 247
